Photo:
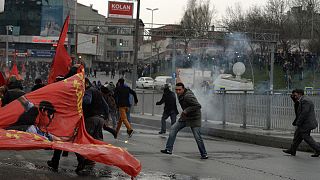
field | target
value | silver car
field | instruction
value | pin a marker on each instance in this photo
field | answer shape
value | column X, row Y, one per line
column 145, row 82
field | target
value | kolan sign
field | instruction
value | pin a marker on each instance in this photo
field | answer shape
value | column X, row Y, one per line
column 120, row 9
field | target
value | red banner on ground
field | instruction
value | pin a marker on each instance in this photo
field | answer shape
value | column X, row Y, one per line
column 56, row 109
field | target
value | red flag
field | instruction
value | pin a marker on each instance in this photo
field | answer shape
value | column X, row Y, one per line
column 62, row 61
column 14, row 72
column 66, row 123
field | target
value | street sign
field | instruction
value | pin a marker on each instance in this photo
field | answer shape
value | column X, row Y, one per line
column 174, row 75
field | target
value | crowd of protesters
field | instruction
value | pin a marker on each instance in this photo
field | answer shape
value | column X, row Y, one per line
column 105, row 106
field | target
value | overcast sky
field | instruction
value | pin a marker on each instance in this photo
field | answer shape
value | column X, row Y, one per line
column 170, row 11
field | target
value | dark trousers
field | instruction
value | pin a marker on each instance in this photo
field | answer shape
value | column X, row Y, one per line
column 300, row 135
column 165, row 115
column 94, row 127
column 56, row 158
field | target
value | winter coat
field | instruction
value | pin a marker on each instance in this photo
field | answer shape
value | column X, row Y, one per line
column 94, row 104
column 169, row 100
column 305, row 115
column 121, row 95
column 191, row 109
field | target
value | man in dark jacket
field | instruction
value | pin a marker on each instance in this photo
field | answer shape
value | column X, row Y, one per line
column 15, row 90
column 305, row 121
column 170, row 108
column 190, row 117
column 121, row 94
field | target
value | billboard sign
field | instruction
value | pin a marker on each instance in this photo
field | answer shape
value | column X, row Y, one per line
column 87, row 44
column 120, row 9
column 41, row 53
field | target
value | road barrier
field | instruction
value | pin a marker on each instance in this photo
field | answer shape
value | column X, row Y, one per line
column 247, row 109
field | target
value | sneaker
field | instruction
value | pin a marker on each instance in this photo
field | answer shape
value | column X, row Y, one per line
column 130, row 132
column 289, row 152
column 317, row 154
column 166, row 151
column 204, row 157
column 162, row 132
column 53, row 167
column 79, row 168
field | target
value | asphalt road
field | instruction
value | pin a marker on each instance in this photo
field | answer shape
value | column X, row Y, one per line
column 227, row 160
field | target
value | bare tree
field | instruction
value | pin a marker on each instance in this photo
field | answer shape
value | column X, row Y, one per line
column 234, row 19
column 276, row 14
column 196, row 21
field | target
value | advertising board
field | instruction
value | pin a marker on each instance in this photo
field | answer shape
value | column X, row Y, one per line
column 120, row 9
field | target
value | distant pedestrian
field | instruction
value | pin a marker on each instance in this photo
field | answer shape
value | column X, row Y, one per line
column 95, row 73
column 113, row 73
column 190, row 117
column 170, row 108
column 305, row 121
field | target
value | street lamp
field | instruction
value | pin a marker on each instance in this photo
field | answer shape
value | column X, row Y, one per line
column 155, row 9
column 8, row 28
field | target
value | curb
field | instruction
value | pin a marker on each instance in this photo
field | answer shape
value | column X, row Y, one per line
column 231, row 133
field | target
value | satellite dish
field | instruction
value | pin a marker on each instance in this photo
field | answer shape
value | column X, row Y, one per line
column 238, row 69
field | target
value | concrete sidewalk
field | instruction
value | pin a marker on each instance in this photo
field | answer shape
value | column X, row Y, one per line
column 272, row 138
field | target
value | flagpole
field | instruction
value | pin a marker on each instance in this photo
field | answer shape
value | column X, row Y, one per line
column 136, row 47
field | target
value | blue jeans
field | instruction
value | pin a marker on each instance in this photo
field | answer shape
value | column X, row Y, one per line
column 165, row 115
column 196, row 134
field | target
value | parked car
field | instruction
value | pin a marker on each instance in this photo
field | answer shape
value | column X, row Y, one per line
column 160, row 81
column 145, row 82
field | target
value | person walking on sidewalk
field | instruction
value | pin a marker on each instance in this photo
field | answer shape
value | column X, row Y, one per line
column 190, row 117
column 305, row 121
column 121, row 94
column 170, row 108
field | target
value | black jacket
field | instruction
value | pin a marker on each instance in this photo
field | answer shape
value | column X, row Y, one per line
column 94, row 104
column 37, row 86
column 191, row 109
column 305, row 115
column 169, row 100
column 11, row 95
column 121, row 95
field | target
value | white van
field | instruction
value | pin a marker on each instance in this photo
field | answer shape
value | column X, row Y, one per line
column 228, row 82
column 160, row 81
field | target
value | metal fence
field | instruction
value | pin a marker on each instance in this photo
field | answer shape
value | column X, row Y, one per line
column 269, row 111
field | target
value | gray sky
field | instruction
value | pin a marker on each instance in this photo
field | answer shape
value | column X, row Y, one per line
column 170, row 11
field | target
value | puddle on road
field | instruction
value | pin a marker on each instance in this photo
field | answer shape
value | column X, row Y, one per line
column 102, row 173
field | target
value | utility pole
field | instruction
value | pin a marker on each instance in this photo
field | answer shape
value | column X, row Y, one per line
column 136, row 47
column 8, row 28
column 151, row 50
column 174, row 53
column 272, row 67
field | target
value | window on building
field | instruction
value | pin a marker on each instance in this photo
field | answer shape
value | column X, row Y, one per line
column 112, row 30
column 112, row 42
column 124, row 31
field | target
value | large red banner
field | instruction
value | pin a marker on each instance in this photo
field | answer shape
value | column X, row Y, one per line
column 57, row 110
column 120, row 9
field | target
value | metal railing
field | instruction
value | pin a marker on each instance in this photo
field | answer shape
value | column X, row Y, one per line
column 266, row 111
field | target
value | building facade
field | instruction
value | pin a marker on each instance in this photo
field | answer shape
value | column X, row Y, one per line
column 32, row 28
